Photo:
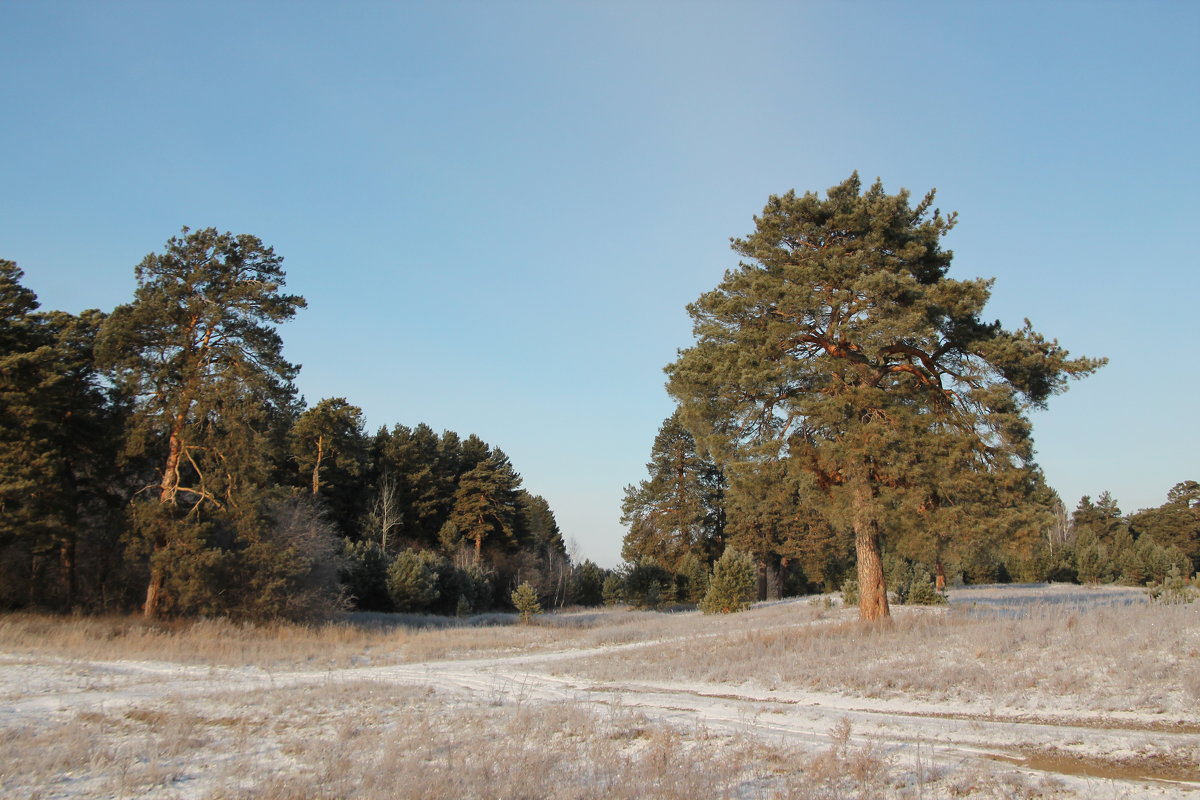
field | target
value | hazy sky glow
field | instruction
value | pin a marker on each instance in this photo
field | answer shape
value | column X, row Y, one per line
column 498, row 210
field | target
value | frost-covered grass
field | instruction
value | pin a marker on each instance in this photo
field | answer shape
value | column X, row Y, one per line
column 1052, row 656
column 370, row 740
column 793, row 699
column 353, row 639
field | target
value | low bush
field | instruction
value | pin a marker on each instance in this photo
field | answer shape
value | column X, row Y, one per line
column 733, row 584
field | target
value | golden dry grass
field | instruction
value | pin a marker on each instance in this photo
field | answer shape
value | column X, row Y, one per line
column 361, row 738
column 370, row 741
column 1124, row 658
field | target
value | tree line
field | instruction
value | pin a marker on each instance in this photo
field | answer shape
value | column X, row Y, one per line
column 158, row 456
column 846, row 413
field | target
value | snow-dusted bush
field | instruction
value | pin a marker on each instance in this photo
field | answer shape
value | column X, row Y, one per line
column 732, row 585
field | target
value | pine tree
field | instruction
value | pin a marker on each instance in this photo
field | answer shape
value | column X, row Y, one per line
column 330, row 451
column 412, row 580
column 841, row 346
column 485, row 503
column 679, row 510
column 525, row 600
column 424, row 485
column 1100, row 533
column 198, row 350
column 59, row 430
column 1176, row 523
column 587, row 584
column 540, row 539
column 773, row 521
column 329, row 436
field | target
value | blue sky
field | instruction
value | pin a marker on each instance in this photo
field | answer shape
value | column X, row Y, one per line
column 498, row 210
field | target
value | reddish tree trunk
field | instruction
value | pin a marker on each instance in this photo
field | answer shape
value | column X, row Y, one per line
column 170, row 475
column 168, row 491
column 872, row 593
column 153, row 590
column 316, row 475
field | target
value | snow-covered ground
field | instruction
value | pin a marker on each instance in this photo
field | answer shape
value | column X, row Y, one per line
column 656, row 715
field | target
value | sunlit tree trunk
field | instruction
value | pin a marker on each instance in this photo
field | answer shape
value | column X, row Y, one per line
column 872, row 591
column 316, row 473
column 168, row 491
column 153, row 590
column 170, row 476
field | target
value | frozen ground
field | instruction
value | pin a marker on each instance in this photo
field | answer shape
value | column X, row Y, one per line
column 761, row 704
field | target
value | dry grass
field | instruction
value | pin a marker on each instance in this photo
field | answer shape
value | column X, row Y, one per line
column 355, row 639
column 368, row 740
column 198, row 738
column 1120, row 658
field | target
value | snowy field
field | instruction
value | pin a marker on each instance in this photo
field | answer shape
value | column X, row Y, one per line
column 1012, row 692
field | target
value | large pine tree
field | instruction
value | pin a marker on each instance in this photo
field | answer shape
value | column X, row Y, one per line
column 840, row 344
column 198, row 350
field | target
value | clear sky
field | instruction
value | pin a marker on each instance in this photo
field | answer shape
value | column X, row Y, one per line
column 498, row 210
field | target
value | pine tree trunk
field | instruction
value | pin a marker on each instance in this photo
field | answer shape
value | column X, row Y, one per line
column 774, row 579
column 169, row 490
column 316, row 475
column 170, row 475
column 872, row 593
column 66, row 569
column 153, row 591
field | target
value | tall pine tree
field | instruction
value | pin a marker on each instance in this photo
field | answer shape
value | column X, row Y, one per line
column 840, row 344
column 198, row 350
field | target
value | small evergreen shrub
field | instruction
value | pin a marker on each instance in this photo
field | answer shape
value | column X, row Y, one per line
column 614, row 590
column 587, row 584
column 850, row 592
column 647, row 585
column 915, row 587
column 413, row 580
column 364, row 575
column 525, row 600
column 922, row 592
column 1173, row 590
column 733, row 584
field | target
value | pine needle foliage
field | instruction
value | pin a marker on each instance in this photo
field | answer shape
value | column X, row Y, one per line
column 198, row 351
column 525, row 600
column 732, row 585
column 840, row 345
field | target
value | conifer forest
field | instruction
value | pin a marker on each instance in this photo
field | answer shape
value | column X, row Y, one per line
column 846, row 419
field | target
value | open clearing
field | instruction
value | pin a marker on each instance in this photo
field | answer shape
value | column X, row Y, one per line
column 1042, row 691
